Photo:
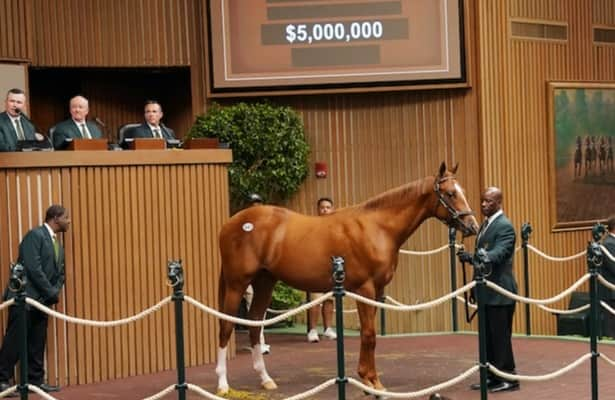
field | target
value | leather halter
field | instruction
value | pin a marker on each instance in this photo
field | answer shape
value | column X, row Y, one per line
column 454, row 216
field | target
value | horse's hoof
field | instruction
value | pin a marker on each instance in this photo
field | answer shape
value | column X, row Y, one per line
column 270, row 385
column 222, row 391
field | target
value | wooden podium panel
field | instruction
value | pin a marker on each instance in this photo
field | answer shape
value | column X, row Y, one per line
column 87, row 144
column 201, row 143
column 147, row 144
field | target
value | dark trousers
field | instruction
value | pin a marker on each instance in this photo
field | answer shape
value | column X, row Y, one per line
column 608, row 319
column 37, row 337
column 499, row 338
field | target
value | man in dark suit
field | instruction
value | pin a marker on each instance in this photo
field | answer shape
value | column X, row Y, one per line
column 77, row 126
column 42, row 257
column 608, row 272
column 497, row 239
column 14, row 126
column 152, row 127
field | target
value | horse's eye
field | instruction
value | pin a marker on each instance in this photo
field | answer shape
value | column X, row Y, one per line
column 451, row 195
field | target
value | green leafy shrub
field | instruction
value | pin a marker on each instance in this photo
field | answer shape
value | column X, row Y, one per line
column 270, row 153
column 285, row 297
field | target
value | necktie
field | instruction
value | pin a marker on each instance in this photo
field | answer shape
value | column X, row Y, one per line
column 157, row 133
column 56, row 247
column 19, row 129
column 483, row 226
column 84, row 132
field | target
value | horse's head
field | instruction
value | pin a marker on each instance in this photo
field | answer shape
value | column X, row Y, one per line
column 452, row 207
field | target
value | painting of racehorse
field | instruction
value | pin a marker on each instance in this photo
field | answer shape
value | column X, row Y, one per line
column 582, row 122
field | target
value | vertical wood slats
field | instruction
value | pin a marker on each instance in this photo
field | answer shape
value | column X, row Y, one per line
column 109, row 33
column 15, row 35
column 127, row 221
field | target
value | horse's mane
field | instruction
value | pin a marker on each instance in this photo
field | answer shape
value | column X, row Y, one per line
column 395, row 196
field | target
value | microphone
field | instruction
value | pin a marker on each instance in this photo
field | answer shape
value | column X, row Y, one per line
column 99, row 122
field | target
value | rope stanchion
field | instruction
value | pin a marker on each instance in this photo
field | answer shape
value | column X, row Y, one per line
column 100, row 324
column 424, row 253
column 607, row 359
column 405, row 395
column 558, row 259
column 415, row 307
column 537, row 378
column 8, row 391
column 41, row 392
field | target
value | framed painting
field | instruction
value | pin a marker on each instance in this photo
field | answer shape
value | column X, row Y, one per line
column 582, row 128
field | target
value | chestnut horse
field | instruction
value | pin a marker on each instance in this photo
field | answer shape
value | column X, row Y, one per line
column 264, row 244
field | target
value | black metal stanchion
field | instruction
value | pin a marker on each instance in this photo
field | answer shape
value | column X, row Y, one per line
column 481, row 287
column 526, row 230
column 594, row 261
column 338, row 277
column 176, row 277
column 17, row 284
column 452, row 234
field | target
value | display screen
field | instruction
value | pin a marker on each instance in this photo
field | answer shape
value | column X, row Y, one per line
column 278, row 44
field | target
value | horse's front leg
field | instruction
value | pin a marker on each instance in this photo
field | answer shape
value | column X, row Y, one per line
column 367, row 360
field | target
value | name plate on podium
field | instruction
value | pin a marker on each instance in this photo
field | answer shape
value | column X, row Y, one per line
column 201, row 143
column 87, row 144
column 147, row 144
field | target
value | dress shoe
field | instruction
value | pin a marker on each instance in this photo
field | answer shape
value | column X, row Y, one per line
column 504, row 386
column 48, row 388
column 490, row 382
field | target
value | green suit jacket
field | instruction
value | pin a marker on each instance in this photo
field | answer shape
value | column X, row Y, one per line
column 8, row 135
column 499, row 242
column 44, row 273
column 69, row 130
column 608, row 269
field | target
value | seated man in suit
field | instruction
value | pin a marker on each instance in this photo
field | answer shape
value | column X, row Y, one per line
column 14, row 125
column 152, row 127
column 76, row 127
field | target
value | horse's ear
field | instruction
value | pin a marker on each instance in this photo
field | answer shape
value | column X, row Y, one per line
column 442, row 169
column 454, row 169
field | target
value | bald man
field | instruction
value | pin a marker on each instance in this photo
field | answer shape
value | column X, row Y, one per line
column 497, row 238
column 77, row 126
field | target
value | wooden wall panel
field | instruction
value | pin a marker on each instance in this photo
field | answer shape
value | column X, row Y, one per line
column 115, row 33
column 127, row 221
column 15, row 33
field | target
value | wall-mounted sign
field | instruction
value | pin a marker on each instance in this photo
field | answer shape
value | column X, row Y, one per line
column 281, row 44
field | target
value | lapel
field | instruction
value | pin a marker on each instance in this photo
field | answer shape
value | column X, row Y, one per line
column 49, row 244
column 485, row 234
column 75, row 129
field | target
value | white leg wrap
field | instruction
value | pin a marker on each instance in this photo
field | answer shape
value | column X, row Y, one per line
column 258, row 362
column 221, row 370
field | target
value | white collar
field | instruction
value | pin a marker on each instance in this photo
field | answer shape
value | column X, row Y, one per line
column 51, row 232
column 493, row 217
column 152, row 127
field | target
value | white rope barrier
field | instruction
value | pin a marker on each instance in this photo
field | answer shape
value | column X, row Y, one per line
column 607, row 253
column 552, row 258
column 427, row 252
column 415, row 307
column 250, row 322
column 162, row 393
column 462, row 300
column 7, row 303
column 564, row 312
column 313, row 391
column 607, row 307
column 537, row 378
column 204, row 392
column 8, row 391
column 41, row 392
column 399, row 395
column 528, row 300
column 105, row 324
column 605, row 282
column 607, row 359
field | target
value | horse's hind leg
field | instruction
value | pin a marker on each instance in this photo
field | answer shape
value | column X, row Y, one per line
column 262, row 285
column 367, row 361
column 229, row 299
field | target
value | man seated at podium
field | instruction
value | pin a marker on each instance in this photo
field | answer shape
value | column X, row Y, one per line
column 77, row 126
column 152, row 127
column 15, row 126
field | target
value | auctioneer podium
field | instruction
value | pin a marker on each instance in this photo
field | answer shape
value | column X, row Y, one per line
column 131, row 211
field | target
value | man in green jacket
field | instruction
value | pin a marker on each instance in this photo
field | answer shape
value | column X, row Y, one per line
column 14, row 126
column 496, row 244
column 42, row 257
column 77, row 126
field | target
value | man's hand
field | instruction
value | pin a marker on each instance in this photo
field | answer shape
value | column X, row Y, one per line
column 465, row 257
